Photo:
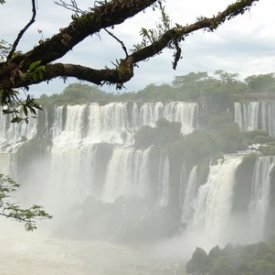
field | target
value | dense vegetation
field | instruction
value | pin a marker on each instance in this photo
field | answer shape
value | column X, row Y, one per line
column 221, row 136
column 255, row 259
column 215, row 91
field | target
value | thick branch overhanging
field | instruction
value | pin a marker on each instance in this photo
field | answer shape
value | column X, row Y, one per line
column 14, row 73
column 81, row 72
column 106, row 15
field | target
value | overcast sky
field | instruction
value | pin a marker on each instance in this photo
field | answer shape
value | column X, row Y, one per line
column 245, row 45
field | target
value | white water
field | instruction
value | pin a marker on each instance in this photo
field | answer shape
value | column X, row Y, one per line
column 164, row 181
column 255, row 115
column 213, row 204
column 127, row 174
column 112, row 123
column 190, row 194
column 13, row 134
column 261, row 195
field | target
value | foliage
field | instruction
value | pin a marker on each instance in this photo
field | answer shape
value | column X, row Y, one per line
column 164, row 132
column 219, row 137
column 196, row 146
column 257, row 137
column 167, row 137
column 268, row 149
column 215, row 92
column 261, row 83
column 77, row 94
column 244, row 260
column 227, row 135
column 199, row 264
column 11, row 210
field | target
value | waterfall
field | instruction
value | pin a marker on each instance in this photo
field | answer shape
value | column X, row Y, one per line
column 113, row 123
column 71, row 173
column 214, row 199
column 247, row 115
column 13, row 135
column 183, row 180
column 127, row 174
column 190, row 195
column 255, row 115
column 164, row 181
column 90, row 160
column 183, row 112
column 117, row 122
column 260, row 194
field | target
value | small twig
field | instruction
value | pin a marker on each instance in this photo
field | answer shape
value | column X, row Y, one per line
column 119, row 41
column 72, row 7
column 21, row 33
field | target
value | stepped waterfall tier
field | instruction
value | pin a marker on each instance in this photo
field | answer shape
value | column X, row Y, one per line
column 113, row 123
column 256, row 115
column 82, row 163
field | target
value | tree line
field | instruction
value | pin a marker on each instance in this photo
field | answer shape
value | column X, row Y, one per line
column 221, row 88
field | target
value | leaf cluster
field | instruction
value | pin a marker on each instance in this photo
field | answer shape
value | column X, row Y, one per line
column 149, row 36
column 9, row 209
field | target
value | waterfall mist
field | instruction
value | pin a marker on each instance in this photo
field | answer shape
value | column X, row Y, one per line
column 81, row 164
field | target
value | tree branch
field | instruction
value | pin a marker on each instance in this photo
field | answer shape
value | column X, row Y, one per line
column 15, row 74
column 21, row 33
column 103, row 16
column 119, row 75
column 72, row 7
column 119, row 41
column 179, row 32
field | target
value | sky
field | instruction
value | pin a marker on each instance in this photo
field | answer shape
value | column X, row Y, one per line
column 244, row 45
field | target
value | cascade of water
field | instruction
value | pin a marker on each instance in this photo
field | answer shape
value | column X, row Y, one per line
column 190, row 195
column 268, row 114
column 260, row 194
column 57, row 122
column 149, row 113
column 214, row 199
column 164, row 181
column 238, row 117
column 71, row 174
column 185, row 113
column 113, row 123
column 13, row 134
column 255, row 115
column 183, row 180
column 127, row 174
column 108, row 123
column 247, row 115
column 74, row 126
